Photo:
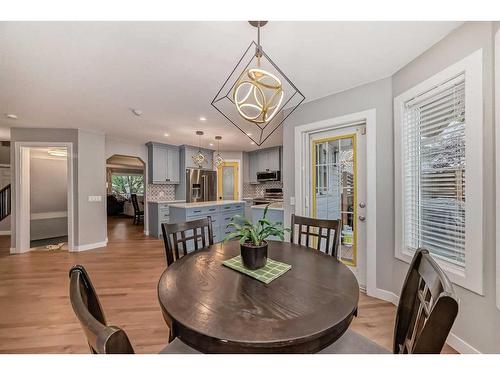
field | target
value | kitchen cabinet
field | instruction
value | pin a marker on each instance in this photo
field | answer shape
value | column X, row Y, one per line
column 163, row 164
column 265, row 160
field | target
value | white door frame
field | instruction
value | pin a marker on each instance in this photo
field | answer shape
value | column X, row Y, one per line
column 22, row 186
column 302, row 133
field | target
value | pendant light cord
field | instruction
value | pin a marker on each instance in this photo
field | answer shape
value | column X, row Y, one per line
column 259, row 53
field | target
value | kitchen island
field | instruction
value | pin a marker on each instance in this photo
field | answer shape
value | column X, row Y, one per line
column 274, row 214
column 221, row 213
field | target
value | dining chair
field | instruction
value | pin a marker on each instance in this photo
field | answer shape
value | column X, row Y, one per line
column 426, row 311
column 177, row 237
column 138, row 213
column 318, row 229
column 101, row 337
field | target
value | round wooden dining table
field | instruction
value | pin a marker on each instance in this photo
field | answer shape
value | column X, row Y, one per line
column 216, row 309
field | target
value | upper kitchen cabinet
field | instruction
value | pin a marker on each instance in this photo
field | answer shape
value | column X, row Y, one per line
column 265, row 160
column 190, row 151
column 163, row 164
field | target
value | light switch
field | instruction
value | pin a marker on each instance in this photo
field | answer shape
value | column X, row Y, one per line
column 95, row 198
column 292, row 201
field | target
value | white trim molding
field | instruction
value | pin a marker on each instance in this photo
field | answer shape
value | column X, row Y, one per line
column 472, row 277
column 4, row 232
column 90, row 246
column 302, row 132
column 497, row 157
column 21, row 184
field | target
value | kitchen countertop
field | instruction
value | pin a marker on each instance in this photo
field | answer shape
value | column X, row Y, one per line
column 159, row 201
column 278, row 206
column 204, row 204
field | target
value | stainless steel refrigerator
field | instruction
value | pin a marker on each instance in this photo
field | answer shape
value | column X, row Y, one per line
column 201, row 185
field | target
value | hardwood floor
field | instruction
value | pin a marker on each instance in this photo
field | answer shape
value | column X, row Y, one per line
column 36, row 315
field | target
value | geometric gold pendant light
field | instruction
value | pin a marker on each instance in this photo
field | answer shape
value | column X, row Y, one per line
column 256, row 93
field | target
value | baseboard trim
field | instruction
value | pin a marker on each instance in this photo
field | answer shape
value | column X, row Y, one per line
column 146, row 232
column 4, row 232
column 453, row 340
column 13, row 250
column 460, row 345
column 90, row 246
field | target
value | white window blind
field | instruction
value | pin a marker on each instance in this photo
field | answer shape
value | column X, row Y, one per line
column 434, row 190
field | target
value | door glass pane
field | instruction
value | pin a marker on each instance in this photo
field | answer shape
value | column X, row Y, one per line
column 334, row 190
column 227, row 183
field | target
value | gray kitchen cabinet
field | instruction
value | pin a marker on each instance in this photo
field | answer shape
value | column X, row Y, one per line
column 253, row 161
column 265, row 160
column 163, row 163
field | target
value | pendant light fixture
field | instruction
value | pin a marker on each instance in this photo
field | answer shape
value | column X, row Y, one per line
column 199, row 158
column 218, row 159
column 256, row 92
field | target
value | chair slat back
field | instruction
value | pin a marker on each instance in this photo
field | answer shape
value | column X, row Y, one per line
column 324, row 231
column 176, row 237
column 135, row 203
column 427, row 308
column 101, row 338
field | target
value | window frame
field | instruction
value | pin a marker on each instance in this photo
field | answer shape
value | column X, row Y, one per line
column 472, row 67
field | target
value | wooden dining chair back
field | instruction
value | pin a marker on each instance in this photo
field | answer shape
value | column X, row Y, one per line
column 178, row 237
column 427, row 308
column 138, row 213
column 101, row 338
column 305, row 230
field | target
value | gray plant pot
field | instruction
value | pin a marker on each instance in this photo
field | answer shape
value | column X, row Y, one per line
column 254, row 257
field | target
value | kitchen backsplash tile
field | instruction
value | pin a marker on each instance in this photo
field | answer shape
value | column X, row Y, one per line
column 160, row 192
column 257, row 190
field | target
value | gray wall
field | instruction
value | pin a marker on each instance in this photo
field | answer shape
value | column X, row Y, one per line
column 91, row 182
column 478, row 322
column 4, row 154
column 376, row 95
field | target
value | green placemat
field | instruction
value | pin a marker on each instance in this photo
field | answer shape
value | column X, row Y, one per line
column 272, row 270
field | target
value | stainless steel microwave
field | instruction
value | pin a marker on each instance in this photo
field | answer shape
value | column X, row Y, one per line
column 268, row 176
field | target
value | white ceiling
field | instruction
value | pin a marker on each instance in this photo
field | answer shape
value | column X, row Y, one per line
column 89, row 74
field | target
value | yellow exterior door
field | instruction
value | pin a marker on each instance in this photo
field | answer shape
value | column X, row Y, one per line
column 228, row 181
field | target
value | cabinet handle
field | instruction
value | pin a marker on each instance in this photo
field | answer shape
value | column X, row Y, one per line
column 197, row 211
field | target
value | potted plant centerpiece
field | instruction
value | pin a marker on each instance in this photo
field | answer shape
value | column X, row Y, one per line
column 253, row 244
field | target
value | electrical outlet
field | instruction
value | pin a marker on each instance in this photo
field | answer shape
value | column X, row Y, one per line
column 292, row 201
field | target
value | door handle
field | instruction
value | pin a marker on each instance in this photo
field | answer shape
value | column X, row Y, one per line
column 362, row 204
column 361, row 218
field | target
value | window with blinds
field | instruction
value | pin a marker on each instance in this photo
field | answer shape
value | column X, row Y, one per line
column 434, row 171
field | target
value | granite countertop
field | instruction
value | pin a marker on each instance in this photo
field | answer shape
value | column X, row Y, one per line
column 166, row 201
column 204, row 204
column 278, row 206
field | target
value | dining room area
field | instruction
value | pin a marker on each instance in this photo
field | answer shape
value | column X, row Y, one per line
column 252, row 192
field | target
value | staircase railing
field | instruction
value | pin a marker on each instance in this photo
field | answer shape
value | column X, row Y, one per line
column 5, row 202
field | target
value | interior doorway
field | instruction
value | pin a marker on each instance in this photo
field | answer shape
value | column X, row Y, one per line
column 126, row 190
column 44, row 196
column 228, row 180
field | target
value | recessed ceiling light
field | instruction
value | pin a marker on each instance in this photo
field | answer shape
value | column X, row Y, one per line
column 166, row 135
column 249, row 134
column 11, row 116
column 211, row 144
column 137, row 112
column 252, row 143
column 203, row 118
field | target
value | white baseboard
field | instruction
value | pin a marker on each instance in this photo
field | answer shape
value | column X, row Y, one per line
column 460, row 345
column 453, row 340
column 384, row 295
column 90, row 246
column 13, row 250
column 146, row 232
column 4, row 232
